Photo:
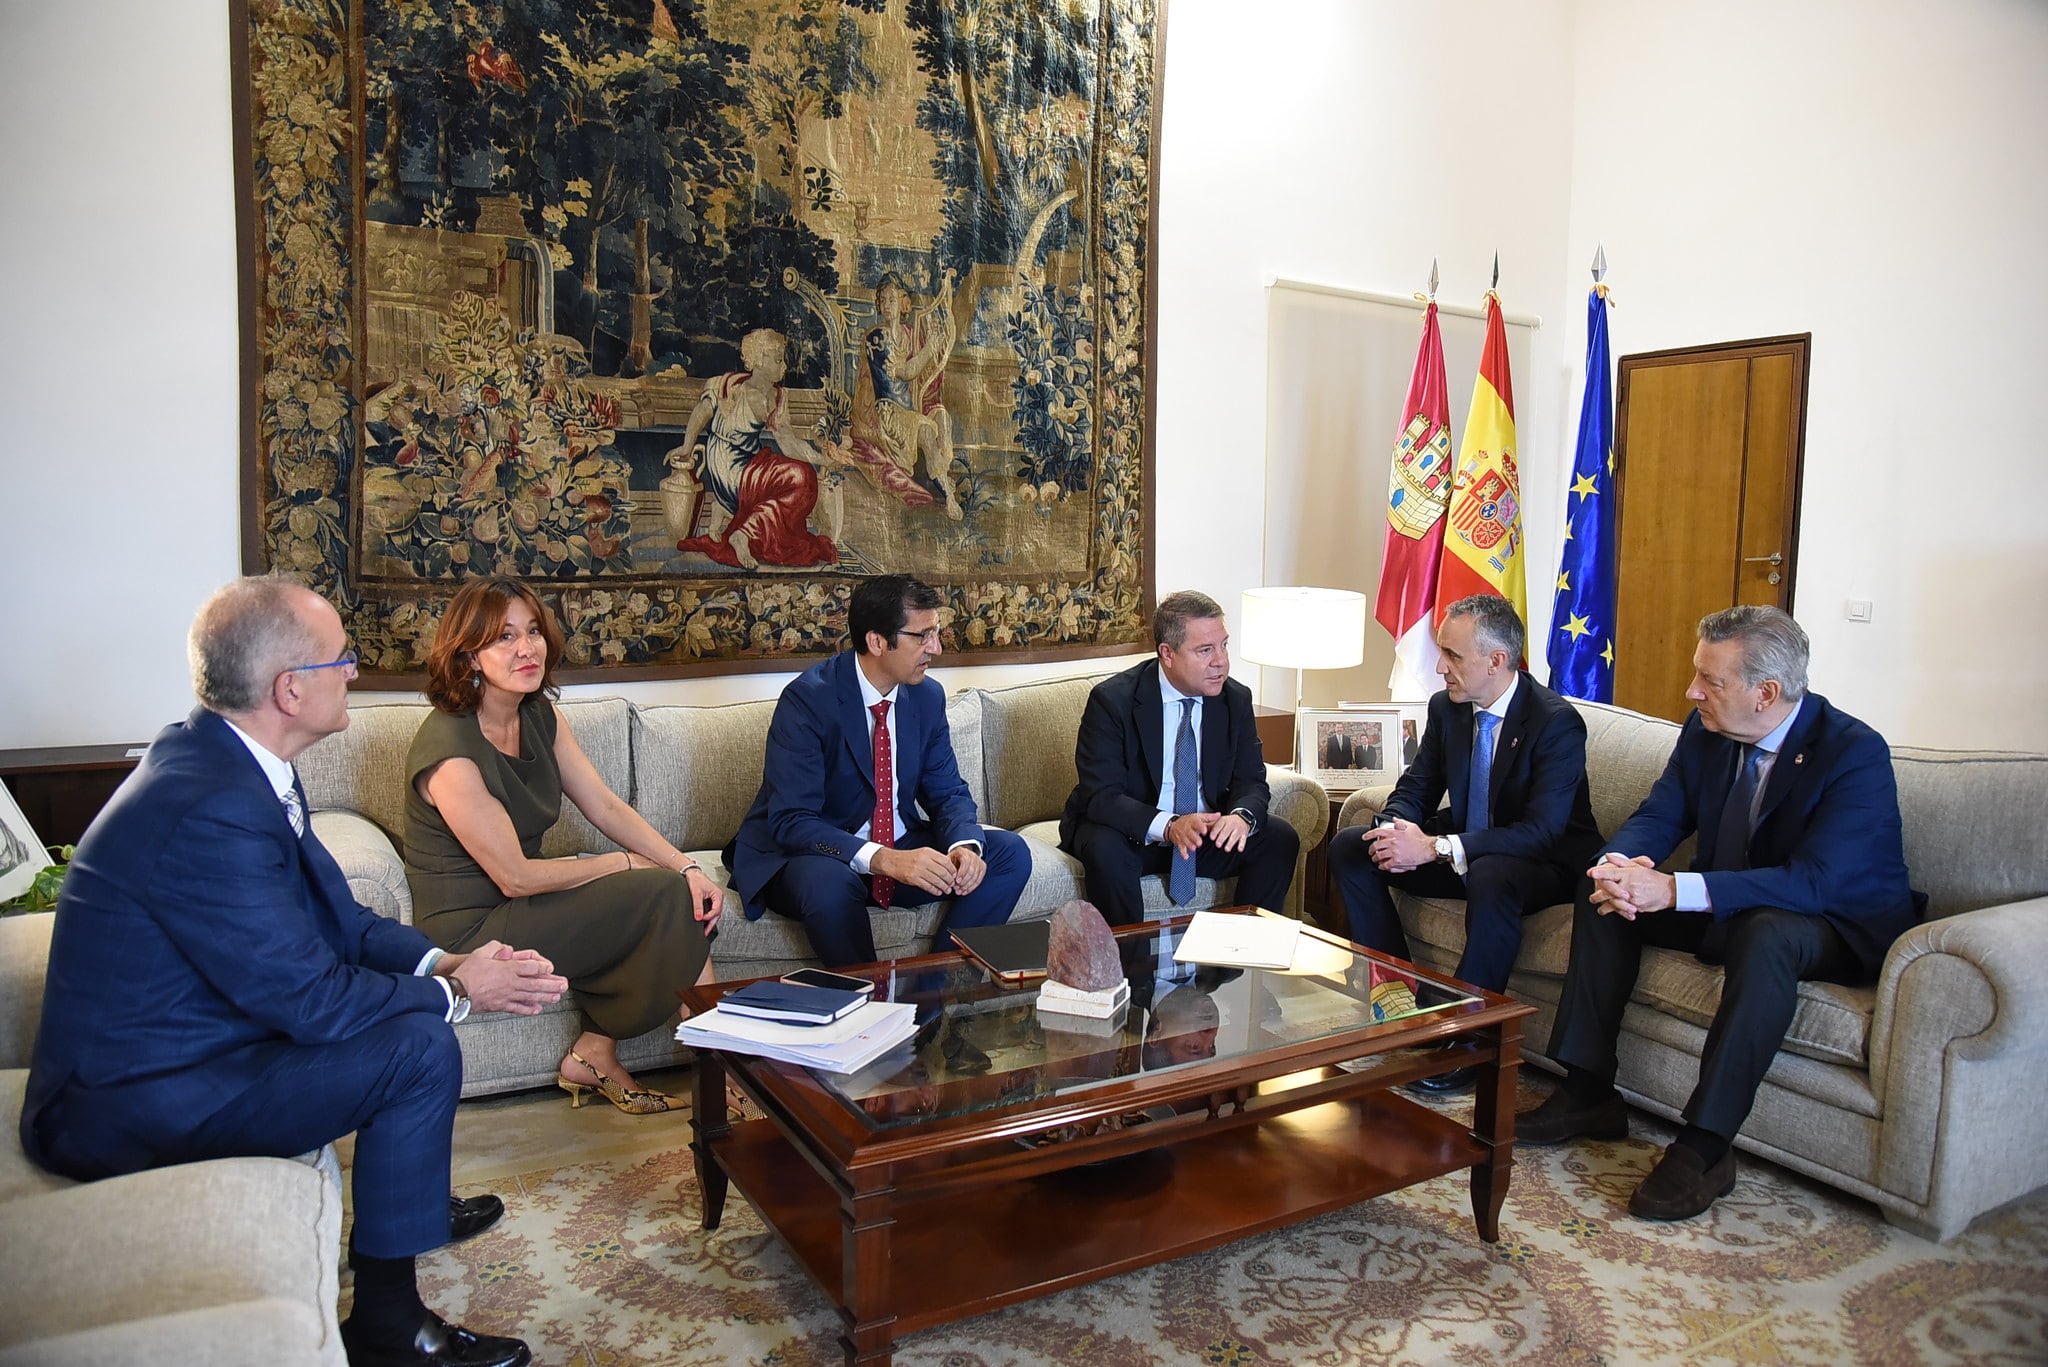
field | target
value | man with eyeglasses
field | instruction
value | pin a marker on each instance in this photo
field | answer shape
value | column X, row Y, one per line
column 216, row 991
column 861, row 798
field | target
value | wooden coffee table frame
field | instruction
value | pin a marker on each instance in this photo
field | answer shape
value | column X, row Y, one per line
column 920, row 1224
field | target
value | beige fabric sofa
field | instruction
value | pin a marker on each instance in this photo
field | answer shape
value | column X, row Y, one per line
column 1924, row 1092
column 228, row 1262
column 693, row 772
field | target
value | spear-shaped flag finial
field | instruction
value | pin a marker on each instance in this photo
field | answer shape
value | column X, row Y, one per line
column 1599, row 263
column 1496, row 270
column 1433, row 277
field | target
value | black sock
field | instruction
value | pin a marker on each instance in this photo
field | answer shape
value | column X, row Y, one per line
column 1584, row 1088
column 388, row 1304
column 1709, row 1146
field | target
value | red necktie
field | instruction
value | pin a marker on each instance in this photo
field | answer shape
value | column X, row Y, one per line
column 883, row 829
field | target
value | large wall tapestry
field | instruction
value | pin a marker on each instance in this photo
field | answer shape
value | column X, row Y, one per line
column 694, row 312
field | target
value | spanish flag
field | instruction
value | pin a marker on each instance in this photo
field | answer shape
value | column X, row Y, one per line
column 1483, row 539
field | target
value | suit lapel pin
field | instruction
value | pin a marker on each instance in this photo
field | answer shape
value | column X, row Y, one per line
column 1799, row 758
column 1513, row 741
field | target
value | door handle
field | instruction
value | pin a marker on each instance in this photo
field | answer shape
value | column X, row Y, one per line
column 1774, row 558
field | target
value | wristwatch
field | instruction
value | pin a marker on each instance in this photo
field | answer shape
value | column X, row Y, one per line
column 1443, row 848
column 459, row 1012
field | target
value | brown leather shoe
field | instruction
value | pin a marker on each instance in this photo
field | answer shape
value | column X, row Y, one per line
column 1559, row 1119
column 1682, row 1186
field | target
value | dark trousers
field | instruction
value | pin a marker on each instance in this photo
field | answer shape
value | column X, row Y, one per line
column 832, row 900
column 1112, row 865
column 1499, row 890
column 1768, row 953
column 395, row 1085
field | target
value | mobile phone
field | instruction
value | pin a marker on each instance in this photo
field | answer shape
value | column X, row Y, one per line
column 818, row 977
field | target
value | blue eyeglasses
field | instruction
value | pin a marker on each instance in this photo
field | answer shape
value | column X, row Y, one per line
column 346, row 660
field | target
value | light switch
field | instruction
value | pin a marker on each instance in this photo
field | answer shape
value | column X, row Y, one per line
column 1857, row 609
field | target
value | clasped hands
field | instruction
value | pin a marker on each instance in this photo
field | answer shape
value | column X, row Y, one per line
column 501, row 978
column 1224, row 830
column 953, row 873
column 1627, row 887
column 1399, row 846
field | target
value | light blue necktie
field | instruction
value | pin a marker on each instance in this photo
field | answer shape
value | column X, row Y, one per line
column 294, row 810
column 1187, row 796
column 1482, row 771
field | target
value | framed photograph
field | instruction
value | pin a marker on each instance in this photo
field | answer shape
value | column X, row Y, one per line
column 1350, row 748
column 22, row 856
column 1414, row 721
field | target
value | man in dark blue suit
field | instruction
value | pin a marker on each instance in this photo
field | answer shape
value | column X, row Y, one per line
column 1510, row 850
column 1800, row 873
column 215, row 991
column 861, row 796
column 1171, row 777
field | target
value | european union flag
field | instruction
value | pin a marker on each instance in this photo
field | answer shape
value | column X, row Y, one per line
column 1582, row 618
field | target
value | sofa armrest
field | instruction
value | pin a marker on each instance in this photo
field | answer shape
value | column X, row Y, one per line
column 1299, row 801
column 1363, row 805
column 24, row 959
column 375, row 873
column 1958, row 1047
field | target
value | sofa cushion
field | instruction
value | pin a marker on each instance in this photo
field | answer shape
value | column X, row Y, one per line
column 18, row 1175
column 1959, row 803
column 1831, row 1022
column 24, row 962
column 170, row 1240
column 699, row 769
column 376, row 875
column 1625, row 752
column 604, row 728
column 1028, row 747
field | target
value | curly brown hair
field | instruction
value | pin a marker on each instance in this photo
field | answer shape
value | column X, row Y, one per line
column 471, row 622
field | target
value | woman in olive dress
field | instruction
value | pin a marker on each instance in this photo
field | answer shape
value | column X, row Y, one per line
column 485, row 780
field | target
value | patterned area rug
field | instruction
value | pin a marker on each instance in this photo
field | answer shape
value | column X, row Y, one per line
column 605, row 1263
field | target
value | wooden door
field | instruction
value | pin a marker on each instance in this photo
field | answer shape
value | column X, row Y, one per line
column 1708, row 442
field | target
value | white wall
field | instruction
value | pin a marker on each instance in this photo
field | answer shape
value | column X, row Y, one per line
column 1889, row 196
column 1874, row 172
column 1346, row 143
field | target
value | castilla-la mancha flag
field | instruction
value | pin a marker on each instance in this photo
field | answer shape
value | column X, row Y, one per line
column 1483, row 530
column 1417, row 490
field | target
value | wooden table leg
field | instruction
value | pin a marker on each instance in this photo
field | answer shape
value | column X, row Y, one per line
column 708, row 1122
column 868, row 1220
column 1493, row 1123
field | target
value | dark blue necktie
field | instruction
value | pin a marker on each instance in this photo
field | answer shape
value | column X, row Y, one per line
column 1731, row 839
column 1187, row 797
column 1482, row 771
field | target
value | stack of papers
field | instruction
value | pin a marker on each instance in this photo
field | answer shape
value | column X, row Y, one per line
column 1230, row 940
column 844, row 1046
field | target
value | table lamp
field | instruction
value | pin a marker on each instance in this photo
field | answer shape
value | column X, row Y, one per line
column 1302, row 629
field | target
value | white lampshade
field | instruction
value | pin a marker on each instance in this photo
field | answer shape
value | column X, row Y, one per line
column 1302, row 628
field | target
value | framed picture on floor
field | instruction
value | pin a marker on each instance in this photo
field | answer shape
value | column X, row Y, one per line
column 22, row 855
column 1345, row 749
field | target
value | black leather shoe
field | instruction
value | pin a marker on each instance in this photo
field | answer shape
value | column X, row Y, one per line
column 436, row 1344
column 1454, row 1083
column 469, row 1216
column 1682, row 1185
column 1559, row 1119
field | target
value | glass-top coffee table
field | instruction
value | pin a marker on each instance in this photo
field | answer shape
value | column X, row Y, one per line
column 1007, row 1153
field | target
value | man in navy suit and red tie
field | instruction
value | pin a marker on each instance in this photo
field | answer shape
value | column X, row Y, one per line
column 1800, row 873
column 1511, row 754
column 861, row 797
column 1171, row 777
column 215, row 991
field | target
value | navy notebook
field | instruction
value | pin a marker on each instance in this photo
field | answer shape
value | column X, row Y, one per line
column 791, row 1003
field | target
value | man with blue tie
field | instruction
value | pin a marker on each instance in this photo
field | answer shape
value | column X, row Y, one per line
column 1171, row 777
column 1511, row 755
column 861, row 798
column 215, row 991
column 1800, row 874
